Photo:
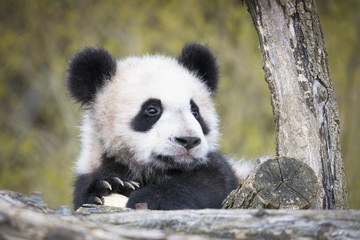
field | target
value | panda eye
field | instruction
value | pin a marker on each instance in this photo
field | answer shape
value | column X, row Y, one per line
column 195, row 112
column 152, row 111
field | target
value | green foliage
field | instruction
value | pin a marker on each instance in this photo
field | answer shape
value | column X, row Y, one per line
column 38, row 120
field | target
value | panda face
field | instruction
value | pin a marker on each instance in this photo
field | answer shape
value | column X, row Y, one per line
column 148, row 112
column 156, row 111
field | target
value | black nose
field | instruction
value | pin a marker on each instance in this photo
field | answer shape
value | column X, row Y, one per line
column 188, row 142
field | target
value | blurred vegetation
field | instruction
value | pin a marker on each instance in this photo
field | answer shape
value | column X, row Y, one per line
column 38, row 120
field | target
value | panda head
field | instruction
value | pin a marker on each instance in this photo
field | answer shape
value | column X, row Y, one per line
column 150, row 111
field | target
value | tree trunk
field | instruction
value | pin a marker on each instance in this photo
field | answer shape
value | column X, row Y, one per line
column 302, row 96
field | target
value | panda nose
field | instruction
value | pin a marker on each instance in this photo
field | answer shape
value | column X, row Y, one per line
column 188, row 142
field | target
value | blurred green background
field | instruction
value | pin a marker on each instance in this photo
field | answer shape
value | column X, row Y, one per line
column 39, row 134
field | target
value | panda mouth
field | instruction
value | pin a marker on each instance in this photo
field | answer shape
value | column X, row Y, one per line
column 174, row 159
column 165, row 158
column 179, row 162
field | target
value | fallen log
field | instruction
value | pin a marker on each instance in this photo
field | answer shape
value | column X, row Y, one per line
column 276, row 183
column 19, row 220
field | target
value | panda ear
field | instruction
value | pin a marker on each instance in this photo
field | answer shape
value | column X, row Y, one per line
column 202, row 61
column 87, row 72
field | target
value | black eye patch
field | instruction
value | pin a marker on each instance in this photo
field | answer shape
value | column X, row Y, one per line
column 196, row 112
column 148, row 115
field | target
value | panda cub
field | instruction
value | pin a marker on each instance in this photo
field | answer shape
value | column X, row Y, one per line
column 149, row 130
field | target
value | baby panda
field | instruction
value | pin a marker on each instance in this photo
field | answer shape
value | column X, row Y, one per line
column 149, row 129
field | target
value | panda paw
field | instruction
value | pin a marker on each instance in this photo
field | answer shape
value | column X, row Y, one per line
column 110, row 185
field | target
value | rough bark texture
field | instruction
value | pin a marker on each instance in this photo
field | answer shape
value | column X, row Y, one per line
column 280, row 183
column 23, row 218
column 303, row 99
column 243, row 224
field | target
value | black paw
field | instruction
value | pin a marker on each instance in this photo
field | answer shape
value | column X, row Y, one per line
column 109, row 185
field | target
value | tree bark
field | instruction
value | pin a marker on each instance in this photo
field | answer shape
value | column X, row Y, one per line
column 23, row 218
column 304, row 106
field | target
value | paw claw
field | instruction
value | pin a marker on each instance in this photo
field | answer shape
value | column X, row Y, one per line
column 119, row 181
column 97, row 200
column 136, row 184
column 129, row 185
column 106, row 185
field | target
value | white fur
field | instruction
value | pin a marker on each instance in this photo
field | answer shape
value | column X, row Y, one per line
column 90, row 154
column 241, row 167
column 136, row 80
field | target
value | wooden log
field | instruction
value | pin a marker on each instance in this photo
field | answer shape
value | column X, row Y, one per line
column 20, row 220
column 276, row 183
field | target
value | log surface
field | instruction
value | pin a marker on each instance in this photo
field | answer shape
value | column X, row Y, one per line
column 18, row 220
column 276, row 183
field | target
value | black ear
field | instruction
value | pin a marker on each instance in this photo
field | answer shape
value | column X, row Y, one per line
column 202, row 61
column 87, row 72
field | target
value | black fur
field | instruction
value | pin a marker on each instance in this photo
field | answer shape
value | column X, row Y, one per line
column 87, row 72
column 203, row 187
column 144, row 120
column 202, row 61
